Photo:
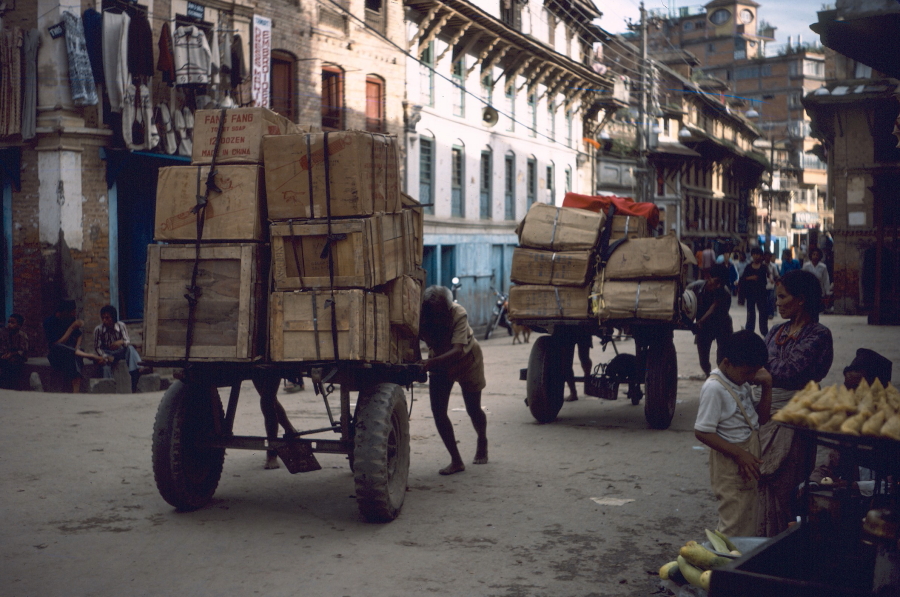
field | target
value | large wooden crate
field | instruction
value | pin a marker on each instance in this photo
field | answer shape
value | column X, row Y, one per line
column 301, row 326
column 229, row 320
column 549, row 302
column 237, row 213
column 415, row 213
column 641, row 299
column 405, row 303
column 374, row 251
column 569, row 268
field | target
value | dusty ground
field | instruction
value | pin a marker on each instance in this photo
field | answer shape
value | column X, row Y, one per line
column 82, row 515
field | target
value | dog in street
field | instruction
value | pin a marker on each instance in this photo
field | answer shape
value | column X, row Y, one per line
column 522, row 330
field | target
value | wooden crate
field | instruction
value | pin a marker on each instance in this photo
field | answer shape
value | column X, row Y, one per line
column 405, row 303
column 415, row 213
column 533, row 266
column 549, row 302
column 229, row 320
column 301, row 326
column 375, row 251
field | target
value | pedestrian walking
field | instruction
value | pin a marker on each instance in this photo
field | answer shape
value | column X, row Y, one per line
column 713, row 320
column 771, row 279
column 708, row 258
column 753, row 287
column 788, row 263
column 817, row 267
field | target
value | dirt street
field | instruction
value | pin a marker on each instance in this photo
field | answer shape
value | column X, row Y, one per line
column 82, row 515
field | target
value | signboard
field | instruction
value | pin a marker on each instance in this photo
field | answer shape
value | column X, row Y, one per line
column 57, row 31
column 262, row 59
column 196, row 11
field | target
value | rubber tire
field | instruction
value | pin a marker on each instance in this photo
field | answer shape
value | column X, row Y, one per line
column 492, row 325
column 381, row 452
column 545, row 386
column 661, row 383
column 187, row 475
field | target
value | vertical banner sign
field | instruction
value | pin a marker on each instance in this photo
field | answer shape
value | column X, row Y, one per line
column 262, row 59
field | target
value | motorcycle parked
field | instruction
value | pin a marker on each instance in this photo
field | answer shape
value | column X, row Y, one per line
column 500, row 315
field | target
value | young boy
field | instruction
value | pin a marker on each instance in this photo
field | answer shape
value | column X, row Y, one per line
column 13, row 352
column 112, row 343
column 713, row 320
column 728, row 421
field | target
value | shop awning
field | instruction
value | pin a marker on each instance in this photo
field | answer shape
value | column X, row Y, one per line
column 872, row 40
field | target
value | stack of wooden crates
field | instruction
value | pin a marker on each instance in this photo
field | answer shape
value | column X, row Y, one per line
column 555, row 263
column 346, row 250
column 232, row 272
column 316, row 247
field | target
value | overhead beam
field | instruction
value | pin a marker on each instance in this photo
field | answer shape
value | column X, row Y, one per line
column 423, row 25
column 470, row 43
column 496, row 59
column 454, row 40
column 433, row 31
column 483, row 54
column 529, row 76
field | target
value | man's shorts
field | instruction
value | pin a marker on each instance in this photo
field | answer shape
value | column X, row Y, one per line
column 468, row 372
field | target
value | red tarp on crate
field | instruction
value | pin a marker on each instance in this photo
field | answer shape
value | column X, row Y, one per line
column 624, row 206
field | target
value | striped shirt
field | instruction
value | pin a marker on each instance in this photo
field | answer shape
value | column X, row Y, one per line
column 104, row 337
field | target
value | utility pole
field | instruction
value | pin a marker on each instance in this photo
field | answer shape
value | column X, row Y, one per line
column 642, row 128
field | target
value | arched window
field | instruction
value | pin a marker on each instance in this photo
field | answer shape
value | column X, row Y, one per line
column 332, row 98
column 375, row 104
column 282, row 84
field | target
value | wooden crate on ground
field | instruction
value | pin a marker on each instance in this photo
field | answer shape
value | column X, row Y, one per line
column 549, row 302
column 301, row 326
column 375, row 250
column 229, row 320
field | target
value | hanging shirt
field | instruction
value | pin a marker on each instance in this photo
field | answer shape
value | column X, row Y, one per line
column 166, row 62
column 93, row 35
column 81, row 79
column 192, row 56
column 238, row 70
column 32, row 41
column 115, row 49
column 140, row 47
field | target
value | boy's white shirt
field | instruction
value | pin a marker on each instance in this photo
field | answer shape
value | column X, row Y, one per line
column 719, row 413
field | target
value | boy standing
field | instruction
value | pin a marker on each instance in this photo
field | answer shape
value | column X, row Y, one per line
column 728, row 422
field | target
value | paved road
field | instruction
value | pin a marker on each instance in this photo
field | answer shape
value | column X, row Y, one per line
column 82, row 516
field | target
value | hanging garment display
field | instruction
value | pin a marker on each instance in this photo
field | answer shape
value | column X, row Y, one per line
column 214, row 60
column 166, row 62
column 30, row 44
column 140, row 46
column 192, row 56
column 10, row 81
column 93, row 35
column 138, row 128
column 185, row 146
column 225, row 52
column 115, row 49
column 238, row 70
column 166, row 128
column 81, row 79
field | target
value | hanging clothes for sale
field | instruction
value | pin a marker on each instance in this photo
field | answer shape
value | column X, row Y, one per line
column 192, row 56
column 10, row 81
column 115, row 50
column 30, row 44
column 138, row 128
column 81, row 79
column 93, row 35
column 166, row 62
column 140, row 46
column 214, row 59
column 238, row 70
column 225, row 52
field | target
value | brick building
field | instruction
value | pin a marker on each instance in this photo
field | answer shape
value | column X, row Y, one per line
column 78, row 204
column 855, row 116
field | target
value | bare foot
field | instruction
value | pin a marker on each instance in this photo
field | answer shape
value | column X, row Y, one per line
column 571, row 397
column 272, row 460
column 481, row 454
column 454, row 467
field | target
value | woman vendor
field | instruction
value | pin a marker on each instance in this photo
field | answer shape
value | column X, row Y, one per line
column 800, row 351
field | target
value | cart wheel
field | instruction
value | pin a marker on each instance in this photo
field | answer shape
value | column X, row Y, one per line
column 662, row 383
column 381, row 452
column 186, row 472
column 546, row 381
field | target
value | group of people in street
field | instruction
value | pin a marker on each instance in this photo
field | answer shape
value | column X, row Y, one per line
column 756, row 466
column 64, row 334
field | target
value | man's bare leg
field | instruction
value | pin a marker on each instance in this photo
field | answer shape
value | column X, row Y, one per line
column 76, row 385
column 439, row 393
column 479, row 421
column 273, row 415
